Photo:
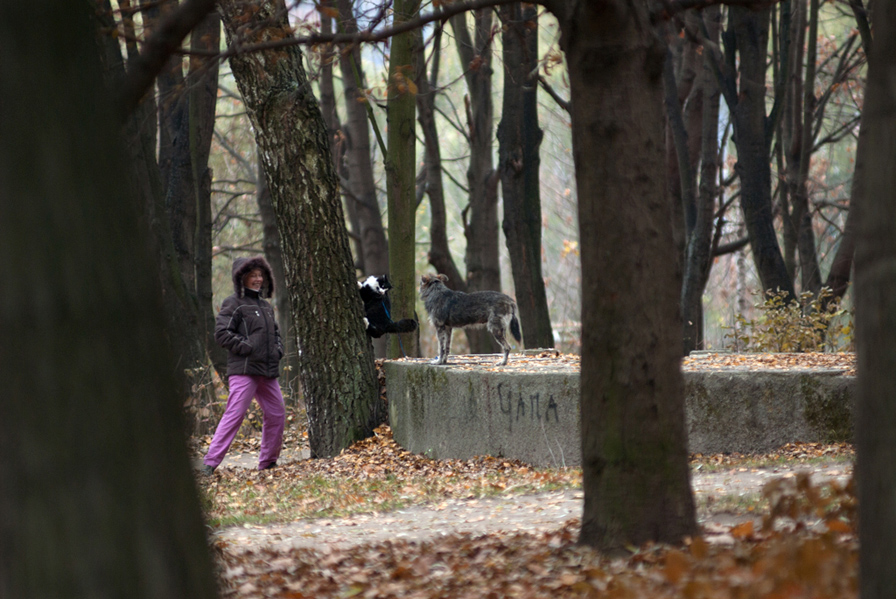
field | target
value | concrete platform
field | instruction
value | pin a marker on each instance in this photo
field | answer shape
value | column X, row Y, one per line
column 529, row 409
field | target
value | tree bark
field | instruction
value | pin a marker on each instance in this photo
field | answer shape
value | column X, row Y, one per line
column 96, row 494
column 799, row 154
column 360, row 187
column 273, row 253
column 480, row 218
column 334, row 129
column 401, row 176
column 748, row 32
column 875, row 298
column 143, row 140
column 698, row 251
column 202, row 85
column 634, row 444
column 519, row 138
column 439, row 252
column 335, row 356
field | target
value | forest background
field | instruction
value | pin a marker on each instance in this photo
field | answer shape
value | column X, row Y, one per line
column 733, row 287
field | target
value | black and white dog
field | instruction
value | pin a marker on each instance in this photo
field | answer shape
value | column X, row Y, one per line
column 449, row 309
column 378, row 309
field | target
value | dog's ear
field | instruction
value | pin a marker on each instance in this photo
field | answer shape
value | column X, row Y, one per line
column 443, row 278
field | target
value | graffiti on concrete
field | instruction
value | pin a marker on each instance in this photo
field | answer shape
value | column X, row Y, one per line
column 535, row 407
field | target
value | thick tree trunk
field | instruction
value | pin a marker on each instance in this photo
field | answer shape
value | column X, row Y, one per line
column 481, row 215
column 634, row 445
column 96, row 494
column 519, row 138
column 875, row 298
column 335, row 357
column 401, row 176
column 273, row 252
column 749, row 30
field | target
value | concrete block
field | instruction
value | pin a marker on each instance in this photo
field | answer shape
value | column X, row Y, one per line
column 461, row 411
column 468, row 408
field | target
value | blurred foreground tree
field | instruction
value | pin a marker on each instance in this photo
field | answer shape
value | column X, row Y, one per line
column 169, row 138
column 875, row 296
column 96, row 494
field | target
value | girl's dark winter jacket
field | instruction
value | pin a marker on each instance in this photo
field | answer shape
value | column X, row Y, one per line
column 246, row 326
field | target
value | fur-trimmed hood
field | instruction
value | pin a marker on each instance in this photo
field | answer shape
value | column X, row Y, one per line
column 243, row 265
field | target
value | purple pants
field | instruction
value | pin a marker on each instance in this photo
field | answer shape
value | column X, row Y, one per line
column 242, row 389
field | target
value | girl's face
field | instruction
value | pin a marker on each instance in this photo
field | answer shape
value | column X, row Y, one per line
column 253, row 279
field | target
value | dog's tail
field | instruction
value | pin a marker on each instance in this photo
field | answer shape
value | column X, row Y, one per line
column 515, row 326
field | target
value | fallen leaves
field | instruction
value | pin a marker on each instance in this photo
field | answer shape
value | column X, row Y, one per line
column 550, row 564
column 373, row 475
column 843, row 362
column 553, row 361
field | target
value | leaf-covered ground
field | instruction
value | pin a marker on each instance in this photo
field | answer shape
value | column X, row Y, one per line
column 809, row 549
column 797, row 539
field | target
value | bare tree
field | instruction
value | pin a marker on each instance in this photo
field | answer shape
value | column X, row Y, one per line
column 519, row 137
column 480, row 217
column 400, row 175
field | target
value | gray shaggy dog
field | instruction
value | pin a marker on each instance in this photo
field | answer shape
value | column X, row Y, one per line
column 449, row 309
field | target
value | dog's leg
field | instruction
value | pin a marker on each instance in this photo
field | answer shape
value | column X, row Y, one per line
column 443, row 334
column 496, row 328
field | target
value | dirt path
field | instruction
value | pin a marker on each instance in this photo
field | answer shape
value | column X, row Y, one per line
column 718, row 495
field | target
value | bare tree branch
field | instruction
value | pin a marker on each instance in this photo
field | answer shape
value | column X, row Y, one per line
column 370, row 34
column 165, row 41
column 562, row 103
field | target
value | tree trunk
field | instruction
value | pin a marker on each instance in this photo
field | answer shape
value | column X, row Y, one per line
column 359, row 185
column 181, row 325
column 875, row 298
column 634, row 445
column 799, row 154
column 439, row 252
column 519, row 138
column 202, row 85
column 359, row 181
column 481, row 215
column 841, row 267
column 335, row 357
column 683, row 99
column 273, row 253
column 401, row 175
column 749, row 30
column 698, row 252
column 334, row 130
column 96, row 494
